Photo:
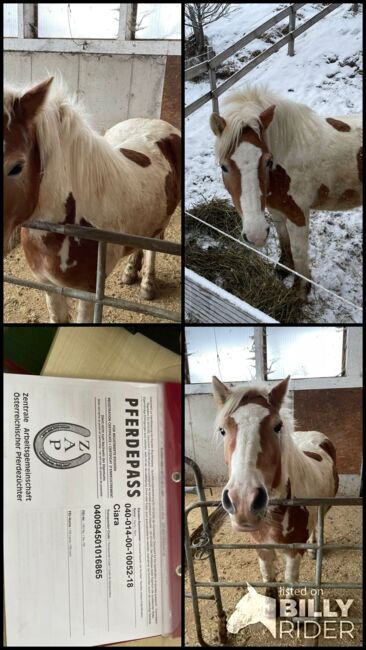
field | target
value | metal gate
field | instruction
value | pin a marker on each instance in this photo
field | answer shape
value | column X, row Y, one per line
column 204, row 546
column 98, row 298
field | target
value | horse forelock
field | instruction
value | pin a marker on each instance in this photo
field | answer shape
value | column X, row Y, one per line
column 254, row 393
column 293, row 123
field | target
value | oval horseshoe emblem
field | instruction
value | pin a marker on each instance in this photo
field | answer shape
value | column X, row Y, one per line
column 40, row 439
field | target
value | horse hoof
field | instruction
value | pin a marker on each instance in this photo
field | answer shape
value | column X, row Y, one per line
column 281, row 273
column 148, row 292
column 129, row 278
column 312, row 553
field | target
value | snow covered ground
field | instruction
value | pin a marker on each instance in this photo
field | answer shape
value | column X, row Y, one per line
column 325, row 74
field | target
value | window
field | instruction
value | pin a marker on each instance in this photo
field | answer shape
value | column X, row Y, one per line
column 10, row 20
column 158, row 21
column 76, row 20
column 226, row 352
column 234, row 353
column 304, row 352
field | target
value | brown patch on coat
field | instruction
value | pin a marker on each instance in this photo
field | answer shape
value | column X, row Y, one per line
column 329, row 448
column 288, row 489
column 312, row 454
column 136, row 157
column 269, row 458
column 170, row 147
column 348, row 199
column 321, row 197
column 280, row 199
column 44, row 254
column 338, row 124
column 232, row 182
column 231, row 431
column 298, row 530
column 359, row 163
column 263, row 176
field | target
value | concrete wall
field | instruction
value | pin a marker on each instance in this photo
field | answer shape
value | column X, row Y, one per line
column 113, row 87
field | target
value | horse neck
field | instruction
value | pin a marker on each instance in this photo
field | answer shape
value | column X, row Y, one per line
column 296, row 468
column 86, row 165
column 290, row 138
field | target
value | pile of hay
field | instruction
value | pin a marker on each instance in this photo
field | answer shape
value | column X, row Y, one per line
column 233, row 267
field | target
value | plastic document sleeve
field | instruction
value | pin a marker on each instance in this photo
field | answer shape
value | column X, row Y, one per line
column 92, row 500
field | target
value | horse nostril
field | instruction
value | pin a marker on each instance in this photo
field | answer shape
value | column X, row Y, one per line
column 260, row 500
column 227, row 503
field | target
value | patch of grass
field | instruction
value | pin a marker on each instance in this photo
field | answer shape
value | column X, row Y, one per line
column 235, row 268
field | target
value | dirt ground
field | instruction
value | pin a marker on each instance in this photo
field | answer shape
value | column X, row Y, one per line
column 23, row 305
column 342, row 525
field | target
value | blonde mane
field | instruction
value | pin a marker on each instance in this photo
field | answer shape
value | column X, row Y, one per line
column 292, row 124
column 69, row 145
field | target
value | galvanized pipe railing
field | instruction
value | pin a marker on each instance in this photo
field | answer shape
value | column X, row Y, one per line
column 319, row 546
column 98, row 298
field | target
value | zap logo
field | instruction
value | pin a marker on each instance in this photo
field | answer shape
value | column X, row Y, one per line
column 63, row 445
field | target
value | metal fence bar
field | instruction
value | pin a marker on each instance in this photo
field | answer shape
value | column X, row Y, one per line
column 295, row 585
column 294, row 546
column 102, row 237
column 321, row 503
column 122, row 239
column 334, row 501
column 118, row 303
column 101, row 275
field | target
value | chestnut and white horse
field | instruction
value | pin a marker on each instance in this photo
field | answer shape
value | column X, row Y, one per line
column 58, row 169
column 267, row 459
column 281, row 155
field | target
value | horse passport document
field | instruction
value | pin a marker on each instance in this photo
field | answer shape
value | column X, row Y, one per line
column 92, row 499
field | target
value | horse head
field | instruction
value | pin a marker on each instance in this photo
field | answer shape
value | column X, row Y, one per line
column 246, row 163
column 252, row 425
column 22, row 166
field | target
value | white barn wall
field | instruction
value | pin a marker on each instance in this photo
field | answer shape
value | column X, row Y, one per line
column 113, row 87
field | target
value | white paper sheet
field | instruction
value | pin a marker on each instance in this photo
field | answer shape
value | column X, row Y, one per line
column 84, row 538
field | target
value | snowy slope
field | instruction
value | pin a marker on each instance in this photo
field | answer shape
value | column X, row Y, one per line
column 324, row 74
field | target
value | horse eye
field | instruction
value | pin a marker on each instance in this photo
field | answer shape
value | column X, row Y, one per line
column 269, row 162
column 278, row 427
column 222, row 431
column 15, row 171
column 224, row 168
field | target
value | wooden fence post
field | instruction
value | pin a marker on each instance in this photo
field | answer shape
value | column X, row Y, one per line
column 212, row 76
column 291, row 28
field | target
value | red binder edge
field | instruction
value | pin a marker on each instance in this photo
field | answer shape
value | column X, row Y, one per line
column 173, row 463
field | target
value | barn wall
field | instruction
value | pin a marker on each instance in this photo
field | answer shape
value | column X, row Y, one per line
column 113, row 87
column 337, row 414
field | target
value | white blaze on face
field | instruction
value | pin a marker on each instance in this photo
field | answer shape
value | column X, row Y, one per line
column 244, row 472
column 255, row 226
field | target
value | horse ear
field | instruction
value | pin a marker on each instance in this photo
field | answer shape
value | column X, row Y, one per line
column 266, row 116
column 217, row 123
column 220, row 391
column 278, row 393
column 33, row 100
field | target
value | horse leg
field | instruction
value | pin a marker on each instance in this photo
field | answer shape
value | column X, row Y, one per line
column 299, row 238
column 57, row 308
column 267, row 565
column 85, row 312
column 292, row 569
column 148, row 287
column 312, row 540
column 133, row 267
column 284, row 239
